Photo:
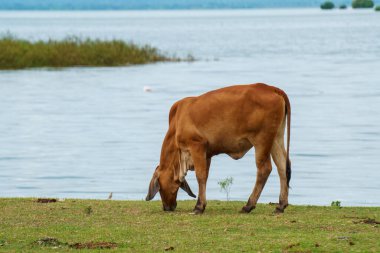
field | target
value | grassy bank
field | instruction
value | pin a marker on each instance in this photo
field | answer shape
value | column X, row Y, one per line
column 18, row 54
column 139, row 226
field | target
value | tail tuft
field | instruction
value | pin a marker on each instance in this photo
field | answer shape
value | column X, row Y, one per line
column 288, row 171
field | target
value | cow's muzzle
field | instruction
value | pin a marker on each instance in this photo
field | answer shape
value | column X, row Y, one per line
column 170, row 208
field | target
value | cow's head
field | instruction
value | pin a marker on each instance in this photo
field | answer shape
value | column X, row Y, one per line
column 167, row 184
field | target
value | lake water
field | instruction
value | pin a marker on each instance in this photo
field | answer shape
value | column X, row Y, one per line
column 86, row 132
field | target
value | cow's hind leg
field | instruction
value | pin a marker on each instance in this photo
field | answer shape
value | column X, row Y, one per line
column 201, row 167
column 264, row 168
column 278, row 153
column 279, row 157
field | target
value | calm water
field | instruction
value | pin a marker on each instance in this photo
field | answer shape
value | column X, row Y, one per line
column 85, row 132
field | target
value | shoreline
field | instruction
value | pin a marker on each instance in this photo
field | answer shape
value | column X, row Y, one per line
column 179, row 200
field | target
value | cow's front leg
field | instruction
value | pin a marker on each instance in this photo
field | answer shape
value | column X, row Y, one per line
column 201, row 167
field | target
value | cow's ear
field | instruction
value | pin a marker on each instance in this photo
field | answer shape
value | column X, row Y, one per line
column 185, row 186
column 154, row 187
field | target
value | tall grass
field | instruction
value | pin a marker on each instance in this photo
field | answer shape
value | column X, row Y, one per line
column 73, row 51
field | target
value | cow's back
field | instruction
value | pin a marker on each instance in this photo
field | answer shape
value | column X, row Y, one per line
column 226, row 118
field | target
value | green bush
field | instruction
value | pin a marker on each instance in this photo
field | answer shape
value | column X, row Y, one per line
column 377, row 8
column 336, row 203
column 362, row 4
column 72, row 51
column 343, row 6
column 328, row 5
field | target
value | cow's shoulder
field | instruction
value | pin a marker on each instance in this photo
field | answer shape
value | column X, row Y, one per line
column 179, row 105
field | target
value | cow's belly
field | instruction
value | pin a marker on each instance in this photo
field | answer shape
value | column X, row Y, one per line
column 235, row 148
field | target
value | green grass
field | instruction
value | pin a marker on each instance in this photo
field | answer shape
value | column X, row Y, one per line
column 19, row 54
column 139, row 226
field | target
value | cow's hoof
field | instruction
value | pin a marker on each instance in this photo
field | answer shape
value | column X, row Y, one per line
column 247, row 209
column 198, row 210
column 278, row 210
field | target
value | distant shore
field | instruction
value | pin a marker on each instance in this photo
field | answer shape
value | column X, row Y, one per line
column 73, row 51
column 157, row 4
column 30, row 225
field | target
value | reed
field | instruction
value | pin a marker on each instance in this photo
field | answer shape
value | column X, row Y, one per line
column 74, row 51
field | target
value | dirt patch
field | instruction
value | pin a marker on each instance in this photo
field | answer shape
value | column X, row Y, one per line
column 367, row 221
column 49, row 242
column 55, row 243
column 94, row 245
column 363, row 220
column 43, row 200
column 292, row 245
column 327, row 228
column 371, row 221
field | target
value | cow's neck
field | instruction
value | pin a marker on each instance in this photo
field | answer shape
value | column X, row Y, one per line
column 169, row 153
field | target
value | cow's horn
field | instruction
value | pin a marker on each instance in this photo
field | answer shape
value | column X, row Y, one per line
column 185, row 186
column 154, row 187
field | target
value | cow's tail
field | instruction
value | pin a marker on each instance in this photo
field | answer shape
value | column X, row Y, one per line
column 288, row 114
column 288, row 165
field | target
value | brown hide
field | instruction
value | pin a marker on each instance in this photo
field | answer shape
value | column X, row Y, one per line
column 230, row 120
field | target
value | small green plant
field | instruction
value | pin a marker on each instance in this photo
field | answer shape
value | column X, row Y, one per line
column 225, row 185
column 335, row 203
column 88, row 210
column 362, row 4
column 328, row 5
column 377, row 8
column 342, row 6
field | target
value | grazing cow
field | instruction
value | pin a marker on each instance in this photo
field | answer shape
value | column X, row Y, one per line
column 231, row 121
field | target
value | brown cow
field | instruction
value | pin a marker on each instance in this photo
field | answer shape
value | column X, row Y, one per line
column 230, row 120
